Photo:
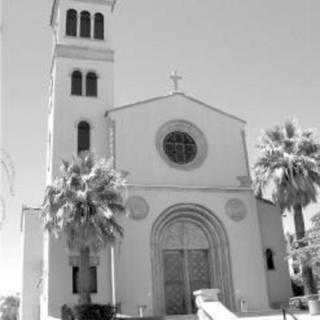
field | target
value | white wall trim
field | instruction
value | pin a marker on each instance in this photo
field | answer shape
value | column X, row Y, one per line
column 188, row 188
column 85, row 53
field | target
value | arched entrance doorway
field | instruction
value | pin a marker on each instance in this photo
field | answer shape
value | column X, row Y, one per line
column 190, row 251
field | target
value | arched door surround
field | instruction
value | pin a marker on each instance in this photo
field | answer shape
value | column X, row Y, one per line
column 184, row 232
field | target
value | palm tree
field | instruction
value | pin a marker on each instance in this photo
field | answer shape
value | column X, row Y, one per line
column 84, row 204
column 288, row 166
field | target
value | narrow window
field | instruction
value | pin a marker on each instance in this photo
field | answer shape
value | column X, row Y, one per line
column 91, row 85
column 296, row 269
column 71, row 23
column 76, row 83
column 85, row 24
column 93, row 280
column 98, row 26
column 83, row 136
column 269, row 259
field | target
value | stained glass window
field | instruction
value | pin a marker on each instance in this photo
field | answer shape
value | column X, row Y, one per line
column 180, row 147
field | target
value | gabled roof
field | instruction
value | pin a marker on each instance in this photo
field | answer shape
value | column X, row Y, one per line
column 168, row 96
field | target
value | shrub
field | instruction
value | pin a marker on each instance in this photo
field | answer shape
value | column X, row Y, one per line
column 9, row 307
column 88, row 312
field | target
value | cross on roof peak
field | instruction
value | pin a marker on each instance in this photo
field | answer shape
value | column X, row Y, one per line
column 175, row 79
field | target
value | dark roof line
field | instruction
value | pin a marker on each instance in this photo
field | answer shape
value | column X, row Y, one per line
column 171, row 95
column 52, row 11
column 266, row 201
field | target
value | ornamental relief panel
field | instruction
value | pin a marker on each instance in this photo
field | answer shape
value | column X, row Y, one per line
column 137, row 207
column 236, row 209
column 184, row 235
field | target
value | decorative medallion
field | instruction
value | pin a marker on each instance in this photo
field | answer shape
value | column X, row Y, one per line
column 138, row 207
column 236, row 209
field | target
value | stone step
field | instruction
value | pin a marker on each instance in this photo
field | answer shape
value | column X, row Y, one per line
column 182, row 317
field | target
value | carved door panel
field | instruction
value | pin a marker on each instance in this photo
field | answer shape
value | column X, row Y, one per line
column 185, row 271
column 174, row 282
column 198, row 272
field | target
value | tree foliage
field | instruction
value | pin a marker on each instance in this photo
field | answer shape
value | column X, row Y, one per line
column 288, row 164
column 84, row 203
column 9, row 308
column 309, row 252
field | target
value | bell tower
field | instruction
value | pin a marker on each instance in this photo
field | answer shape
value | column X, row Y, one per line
column 81, row 91
column 81, row 83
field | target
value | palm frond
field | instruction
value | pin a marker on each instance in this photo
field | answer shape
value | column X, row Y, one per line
column 288, row 164
column 85, row 202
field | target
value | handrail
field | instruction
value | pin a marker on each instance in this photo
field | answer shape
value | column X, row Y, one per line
column 285, row 312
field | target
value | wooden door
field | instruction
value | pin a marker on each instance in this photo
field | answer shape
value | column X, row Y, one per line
column 174, row 282
column 198, row 272
column 185, row 271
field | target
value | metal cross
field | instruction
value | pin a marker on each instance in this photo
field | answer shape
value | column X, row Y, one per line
column 175, row 79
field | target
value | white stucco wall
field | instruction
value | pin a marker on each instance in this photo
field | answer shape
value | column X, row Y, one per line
column 32, row 246
column 60, row 277
column 278, row 280
column 65, row 112
column 134, row 274
column 136, row 152
column 209, row 185
column 69, row 110
column 92, row 7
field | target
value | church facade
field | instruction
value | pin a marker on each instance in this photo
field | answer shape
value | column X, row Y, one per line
column 193, row 221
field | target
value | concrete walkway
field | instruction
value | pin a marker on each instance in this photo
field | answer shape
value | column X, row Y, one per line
column 276, row 315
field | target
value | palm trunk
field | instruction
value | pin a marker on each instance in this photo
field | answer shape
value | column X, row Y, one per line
column 306, row 272
column 84, row 276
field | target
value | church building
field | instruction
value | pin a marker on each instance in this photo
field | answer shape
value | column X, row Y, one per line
column 193, row 221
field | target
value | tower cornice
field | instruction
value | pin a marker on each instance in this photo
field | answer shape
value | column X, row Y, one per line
column 77, row 52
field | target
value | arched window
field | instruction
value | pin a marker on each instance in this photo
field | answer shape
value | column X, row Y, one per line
column 269, row 259
column 71, row 23
column 76, row 83
column 83, row 136
column 85, row 24
column 91, row 85
column 98, row 26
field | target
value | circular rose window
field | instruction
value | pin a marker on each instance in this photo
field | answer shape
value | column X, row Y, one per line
column 181, row 144
column 180, row 147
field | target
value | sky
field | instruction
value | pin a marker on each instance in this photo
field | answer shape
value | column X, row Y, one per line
column 256, row 59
